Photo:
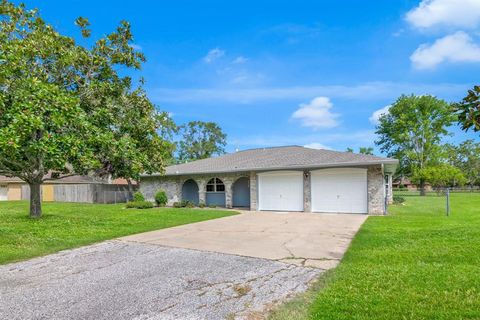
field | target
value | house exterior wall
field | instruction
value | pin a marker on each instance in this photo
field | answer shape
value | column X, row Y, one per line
column 173, row 187
column 14, row 191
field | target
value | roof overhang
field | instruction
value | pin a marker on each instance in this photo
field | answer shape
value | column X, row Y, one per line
column 389, row 166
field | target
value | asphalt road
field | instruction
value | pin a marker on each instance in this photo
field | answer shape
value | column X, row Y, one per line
column 126, row 280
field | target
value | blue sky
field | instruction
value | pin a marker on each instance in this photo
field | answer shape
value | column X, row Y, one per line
column 292, row 72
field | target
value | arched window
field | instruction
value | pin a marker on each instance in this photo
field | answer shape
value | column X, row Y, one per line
column 215, row 185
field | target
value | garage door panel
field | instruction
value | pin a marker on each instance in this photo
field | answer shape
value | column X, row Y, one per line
column 339, row 190
column 281, row 191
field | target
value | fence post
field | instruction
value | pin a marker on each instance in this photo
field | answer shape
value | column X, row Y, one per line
column 448, row 201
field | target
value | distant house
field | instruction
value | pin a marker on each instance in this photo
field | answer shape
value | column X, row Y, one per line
column 69, row 189
column 406, row 183
column 290, row 178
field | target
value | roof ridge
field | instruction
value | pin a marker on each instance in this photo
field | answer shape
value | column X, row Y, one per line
column 273, row 147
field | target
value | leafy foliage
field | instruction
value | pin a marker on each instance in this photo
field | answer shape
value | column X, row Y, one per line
column 466, row 157
column 139, row 205
column 138, row 196
column 161, row 198
column 468, row 110
column 65, row 109
column 443, row 175
column 362, row 150
column 201, row 140
column 412, row 131
column 398, row 199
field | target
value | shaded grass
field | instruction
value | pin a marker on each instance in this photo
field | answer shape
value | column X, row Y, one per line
column 69, row 225
column 413, row 264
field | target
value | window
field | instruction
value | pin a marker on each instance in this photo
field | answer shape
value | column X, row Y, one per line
column 215, row 185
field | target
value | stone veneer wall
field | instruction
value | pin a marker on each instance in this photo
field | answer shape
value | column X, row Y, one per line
column 173, row 186
column 376, row 196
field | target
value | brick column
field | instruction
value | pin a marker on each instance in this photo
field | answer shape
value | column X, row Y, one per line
column 253, row 191
column 202, row 184
column 307, row 193
column 228, row 193
column 376, row 187
column 390, row 188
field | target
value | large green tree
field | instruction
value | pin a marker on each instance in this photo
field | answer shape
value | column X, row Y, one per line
column 65, row 109
column 466, row 157
column 412, row 130
column 468, row 110
column 201, row 140
column 440, row 176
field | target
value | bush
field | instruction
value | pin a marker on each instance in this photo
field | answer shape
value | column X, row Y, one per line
column 398, row 199
column 189, row 204
column 161, row 198
column 139, row 204
column 201, row 205
column 212, row 205
column 184, row 204
column 138, row 197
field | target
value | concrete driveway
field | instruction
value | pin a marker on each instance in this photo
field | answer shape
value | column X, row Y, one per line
column 236, row 270
column 306, row 239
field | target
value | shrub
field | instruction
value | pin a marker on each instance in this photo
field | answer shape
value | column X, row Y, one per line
column 140, row 204
column 212, row 205
column 201, row 205
column 189, row 204
column 398, row 199
column 138, row 196
column 184, row 204
column 161, row 198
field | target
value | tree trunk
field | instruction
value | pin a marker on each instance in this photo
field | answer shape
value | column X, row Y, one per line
column 130, row 189
column 422, row 187
column 35, row 200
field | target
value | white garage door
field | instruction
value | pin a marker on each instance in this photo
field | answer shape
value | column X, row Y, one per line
column 280, row 191
column 3, row 192
column 339, row 190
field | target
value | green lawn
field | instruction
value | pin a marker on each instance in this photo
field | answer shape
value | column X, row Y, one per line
column 69, row 225
column 413, row 264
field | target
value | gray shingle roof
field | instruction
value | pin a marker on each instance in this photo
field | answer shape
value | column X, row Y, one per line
column 290, row 157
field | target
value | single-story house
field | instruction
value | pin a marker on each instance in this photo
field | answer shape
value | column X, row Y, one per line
column 291, row 178
column 77, row 188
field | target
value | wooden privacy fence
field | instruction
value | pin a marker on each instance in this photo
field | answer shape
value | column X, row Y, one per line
column 86, row 193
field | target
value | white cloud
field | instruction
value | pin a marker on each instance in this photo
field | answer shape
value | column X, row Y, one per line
column 369, row 91
column 457, row 47
column 317, row 114
column 213, row 55
column 450, row 13
column 239, row 60
column 316, row 145
column 374, row 118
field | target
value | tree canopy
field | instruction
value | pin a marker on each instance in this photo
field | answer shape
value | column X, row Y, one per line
column 466, row 157
column 65, row 108
column 468, row 110
column 412, row 131
column 201, row 140
column 442, row 175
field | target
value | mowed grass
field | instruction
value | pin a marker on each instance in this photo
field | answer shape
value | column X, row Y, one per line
column 415, row 263
column 69, row 225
